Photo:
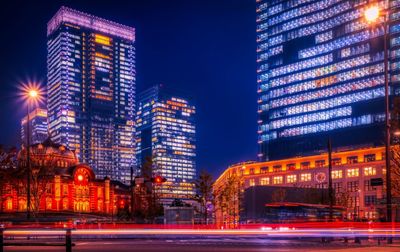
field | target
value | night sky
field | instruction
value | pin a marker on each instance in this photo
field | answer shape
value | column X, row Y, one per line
column 204, row 47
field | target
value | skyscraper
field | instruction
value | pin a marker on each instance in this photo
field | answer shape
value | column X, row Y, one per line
column 91, row 90
column 37, row 126
column 321, row 74
column 166, row 133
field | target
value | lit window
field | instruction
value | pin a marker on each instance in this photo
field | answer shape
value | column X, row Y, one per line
column 252, row 182
column 369, row 158
column 305, row 177
column 353, row 172
column 369, row 171
column 291, row 167
column 278, row 180
column 337, row 174
column 264, row 181
column 291, row 178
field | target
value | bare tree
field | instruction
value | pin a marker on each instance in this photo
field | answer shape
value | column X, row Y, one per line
column 227, row 199
column 395, row 170
column 204, row 188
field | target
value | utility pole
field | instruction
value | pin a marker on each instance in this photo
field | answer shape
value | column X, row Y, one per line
column 330, row 190
column 387, row 124
column 28, row 164
column 132, row 193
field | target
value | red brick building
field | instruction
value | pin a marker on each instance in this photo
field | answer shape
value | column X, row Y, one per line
column 60, row 184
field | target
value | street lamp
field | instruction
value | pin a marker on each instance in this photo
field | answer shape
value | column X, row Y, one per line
column 32, row 96
column 372, row 14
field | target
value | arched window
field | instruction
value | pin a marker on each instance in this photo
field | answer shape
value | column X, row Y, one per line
column 49, row 203
column 9, row 204
column 22, row 205
column 100, row 205
column 65, row 204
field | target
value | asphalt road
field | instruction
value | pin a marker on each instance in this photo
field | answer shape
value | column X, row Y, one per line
column 214, row 244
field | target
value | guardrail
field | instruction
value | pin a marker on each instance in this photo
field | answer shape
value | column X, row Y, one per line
column 325, row 234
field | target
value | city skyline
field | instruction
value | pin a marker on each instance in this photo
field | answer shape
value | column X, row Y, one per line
column 212, row 136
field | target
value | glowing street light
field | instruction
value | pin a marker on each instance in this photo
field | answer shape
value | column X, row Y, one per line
column 371, row 14
column 32, row 95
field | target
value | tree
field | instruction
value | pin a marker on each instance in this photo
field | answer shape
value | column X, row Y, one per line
column 41, row 176
column 395, row 170
column 148, row 204
column 204, row 189
column 8, row 163
column 227, row 200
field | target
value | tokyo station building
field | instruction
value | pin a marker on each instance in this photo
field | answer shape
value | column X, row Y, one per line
column 352, row 172
column 60, row 184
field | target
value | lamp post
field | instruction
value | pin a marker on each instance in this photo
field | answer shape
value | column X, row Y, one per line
column 371, row 15
column 31, row 96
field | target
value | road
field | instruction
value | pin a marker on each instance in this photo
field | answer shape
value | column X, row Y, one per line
column 264, row 239
column 221, row 244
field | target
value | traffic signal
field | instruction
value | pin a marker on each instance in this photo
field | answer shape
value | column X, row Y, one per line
column 158, row 180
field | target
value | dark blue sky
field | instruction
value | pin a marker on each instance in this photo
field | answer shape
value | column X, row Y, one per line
column 204, row 47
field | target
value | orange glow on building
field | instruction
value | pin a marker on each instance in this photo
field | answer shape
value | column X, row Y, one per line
column 351, row 174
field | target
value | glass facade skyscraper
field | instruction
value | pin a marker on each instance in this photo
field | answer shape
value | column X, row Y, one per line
column 166, row 133
column 37, row 127
column 321, row 74
column 91, row 90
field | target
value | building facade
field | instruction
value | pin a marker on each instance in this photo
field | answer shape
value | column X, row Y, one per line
column 60, row 184
column 166, row 132
column 91, row 90
column 321, row 74
column 37, row 126
column 351, row 179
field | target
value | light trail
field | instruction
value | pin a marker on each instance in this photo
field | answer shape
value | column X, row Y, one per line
column 213, row 232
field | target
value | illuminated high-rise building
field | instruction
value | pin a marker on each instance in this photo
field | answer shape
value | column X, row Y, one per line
column 320, row 68
column 37, row 126
column 166, row 133
column 91, row 90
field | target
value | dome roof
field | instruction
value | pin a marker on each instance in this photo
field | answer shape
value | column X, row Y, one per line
column 50, row 149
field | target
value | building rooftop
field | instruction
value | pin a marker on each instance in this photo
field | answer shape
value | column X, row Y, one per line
column 65, row 14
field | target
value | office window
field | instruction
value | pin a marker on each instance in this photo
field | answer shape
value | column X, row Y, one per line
column 352, row 160
column 277, row 168
column 368, row 186
column 304, row 177
column 336, row 161
column 369, row 158
column 277, row 180
column 338, row 186
column 291, row 167
column 319, row 163
column 354, row 172
column 352, row 186
column 291, row 178
column 305, row 165
column 263, row 170
column 369, row 171
column 337, row 174
column 264, row 181
column 252, row 182
column 370, row 200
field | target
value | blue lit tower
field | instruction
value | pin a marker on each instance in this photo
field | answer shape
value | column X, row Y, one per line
column 166, row 132
column 91, row 90
column 320, row 75
column 37, row 125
